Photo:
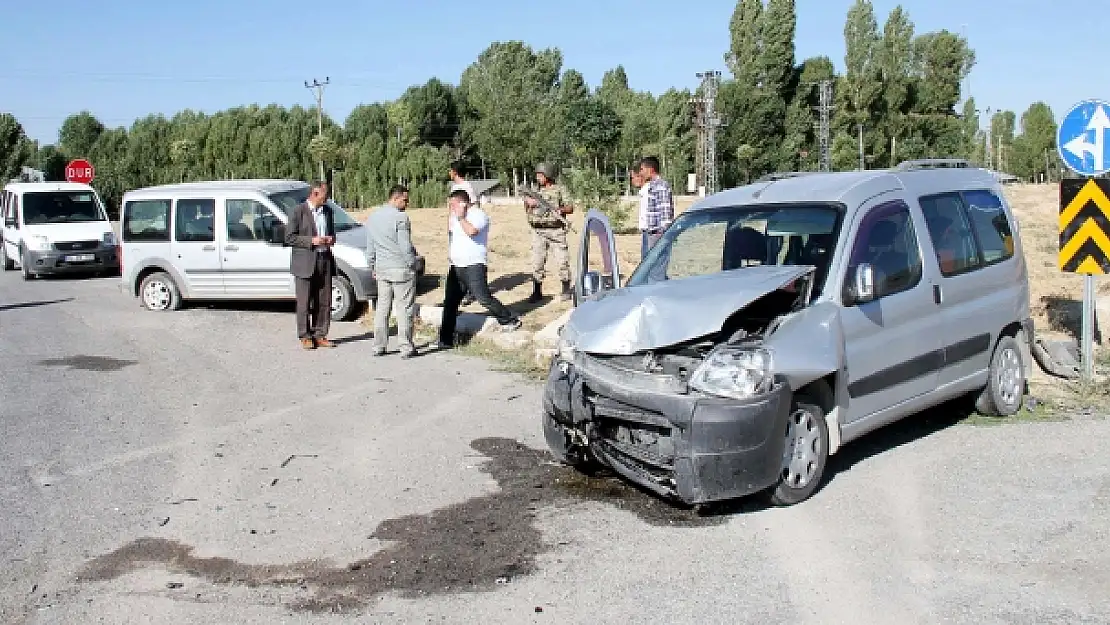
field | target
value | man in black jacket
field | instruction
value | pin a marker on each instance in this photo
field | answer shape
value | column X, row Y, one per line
column 311, row 234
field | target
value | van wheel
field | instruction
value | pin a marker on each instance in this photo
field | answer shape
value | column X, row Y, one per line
column 1005, row 381
column 8, row 263
column 25, row 266
column 805, row 455
column 158, row 292
column 343, row 304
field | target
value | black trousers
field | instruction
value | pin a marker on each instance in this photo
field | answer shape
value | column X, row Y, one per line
column 461, row 280
column 314, row 300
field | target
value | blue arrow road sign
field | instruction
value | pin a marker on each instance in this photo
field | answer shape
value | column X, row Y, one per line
column 1082, row 141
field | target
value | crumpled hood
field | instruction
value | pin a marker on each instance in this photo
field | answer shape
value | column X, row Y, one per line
column 666, row 313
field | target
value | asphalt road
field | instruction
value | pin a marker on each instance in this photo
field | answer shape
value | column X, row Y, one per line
column 198, row 467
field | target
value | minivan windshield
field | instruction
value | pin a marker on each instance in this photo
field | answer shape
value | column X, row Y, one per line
column 712, row 240
column 61, row 207
column 288, row 200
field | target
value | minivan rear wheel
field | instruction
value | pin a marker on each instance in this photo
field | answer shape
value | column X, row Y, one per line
column 158, row 292
column 805, row 455
column 1002, row 397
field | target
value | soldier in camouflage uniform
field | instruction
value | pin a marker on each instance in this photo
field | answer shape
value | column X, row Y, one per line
column 548, row 232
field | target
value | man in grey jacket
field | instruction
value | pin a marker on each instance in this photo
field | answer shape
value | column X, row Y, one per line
column 392, row 258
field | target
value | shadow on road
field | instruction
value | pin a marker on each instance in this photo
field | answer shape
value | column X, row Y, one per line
column 4, row 307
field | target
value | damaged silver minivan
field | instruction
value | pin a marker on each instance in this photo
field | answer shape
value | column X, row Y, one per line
column 775, row 322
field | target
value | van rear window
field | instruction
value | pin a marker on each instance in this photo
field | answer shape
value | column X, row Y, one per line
column 146, row 220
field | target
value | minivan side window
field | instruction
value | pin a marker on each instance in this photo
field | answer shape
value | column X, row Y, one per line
column 248, row 220
column 886, row 240
column 146, row 220
column 969, row 230
column 195, row 220
column 992, row 228
column 950, row 232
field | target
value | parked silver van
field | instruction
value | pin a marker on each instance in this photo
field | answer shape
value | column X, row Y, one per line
column 775, row 322
column 223, row 241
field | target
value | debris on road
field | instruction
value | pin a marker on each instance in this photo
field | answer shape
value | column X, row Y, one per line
column 290, row 458
column 174, row 585
column 163, row 522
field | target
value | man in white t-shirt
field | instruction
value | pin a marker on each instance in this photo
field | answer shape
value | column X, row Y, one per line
column 467, row 254
column 458, row 181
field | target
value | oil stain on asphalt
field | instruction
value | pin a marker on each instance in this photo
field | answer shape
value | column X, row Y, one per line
column 88, row 363
column 470, row 546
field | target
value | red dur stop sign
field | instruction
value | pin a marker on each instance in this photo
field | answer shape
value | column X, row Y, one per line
column 80, row 171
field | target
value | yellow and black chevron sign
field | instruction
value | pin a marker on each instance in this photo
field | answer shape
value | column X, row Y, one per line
column 1085, row 225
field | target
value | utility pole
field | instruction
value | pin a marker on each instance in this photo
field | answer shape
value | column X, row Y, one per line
column 824, row 109
column 319, row 87
column 707, row 123
column 987, row 144
column 862, row 162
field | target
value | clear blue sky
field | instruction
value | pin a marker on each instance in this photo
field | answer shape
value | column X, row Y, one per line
column 127, row 58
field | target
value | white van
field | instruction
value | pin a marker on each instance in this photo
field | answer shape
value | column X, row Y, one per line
column 219, row 241
column 56, row 227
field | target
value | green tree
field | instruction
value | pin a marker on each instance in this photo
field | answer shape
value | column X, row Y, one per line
column 51, row 162
column 78, row 134
column 895, row 60
column 862, row 88
column 595, row 129
column 1034, row 150
column 15, row 147
column 512, row 89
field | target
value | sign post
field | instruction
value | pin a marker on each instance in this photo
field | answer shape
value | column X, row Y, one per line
column 80, row 171
column 1085, row 207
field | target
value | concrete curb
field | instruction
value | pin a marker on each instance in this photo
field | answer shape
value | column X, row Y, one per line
column 545, row 342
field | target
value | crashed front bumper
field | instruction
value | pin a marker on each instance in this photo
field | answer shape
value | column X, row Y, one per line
column 653, row 431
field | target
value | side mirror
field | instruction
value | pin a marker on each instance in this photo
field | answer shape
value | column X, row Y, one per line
column 591, row 283
column 863, row 283
column 277, row 234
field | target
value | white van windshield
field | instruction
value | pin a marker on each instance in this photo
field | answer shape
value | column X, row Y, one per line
column 61, row 207
column 288, row 200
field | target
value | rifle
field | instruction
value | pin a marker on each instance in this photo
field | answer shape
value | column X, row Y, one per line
column 548, row 209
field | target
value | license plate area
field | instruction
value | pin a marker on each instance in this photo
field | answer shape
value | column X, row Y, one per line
column 80, row 258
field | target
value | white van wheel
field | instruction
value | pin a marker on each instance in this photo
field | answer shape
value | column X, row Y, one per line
column 8, row 263
column 25, row 266
column 158, row 292
column 343, row 303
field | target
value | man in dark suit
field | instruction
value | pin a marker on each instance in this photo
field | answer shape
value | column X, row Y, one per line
column 311, row 234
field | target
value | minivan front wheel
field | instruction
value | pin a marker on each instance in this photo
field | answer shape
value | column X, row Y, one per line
column 805, row 454
column 25, row 267
column 158, row 292
column 343, row 304
column 1002, row 397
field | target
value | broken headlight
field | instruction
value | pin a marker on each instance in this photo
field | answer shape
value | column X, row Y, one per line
column 738, row 373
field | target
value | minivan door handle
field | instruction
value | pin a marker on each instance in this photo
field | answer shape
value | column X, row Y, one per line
column 231, row 248
column 209, row 248
column 937, row 294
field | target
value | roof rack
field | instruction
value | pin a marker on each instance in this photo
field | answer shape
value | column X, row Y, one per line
column 783, row 175
column 933, row 163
